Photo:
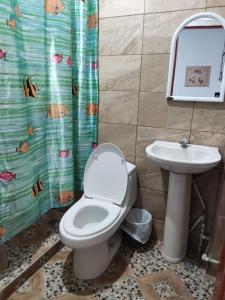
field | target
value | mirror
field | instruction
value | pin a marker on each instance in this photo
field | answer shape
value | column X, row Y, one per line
column 197, row 60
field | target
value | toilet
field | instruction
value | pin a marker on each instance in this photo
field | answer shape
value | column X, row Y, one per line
column 91, row 225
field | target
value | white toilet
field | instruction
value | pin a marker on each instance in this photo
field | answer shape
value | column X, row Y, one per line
column 91, row 225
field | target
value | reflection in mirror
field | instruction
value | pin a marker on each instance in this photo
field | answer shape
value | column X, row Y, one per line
column 196, row 71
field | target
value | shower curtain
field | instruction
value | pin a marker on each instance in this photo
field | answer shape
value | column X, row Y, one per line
column 48, row 105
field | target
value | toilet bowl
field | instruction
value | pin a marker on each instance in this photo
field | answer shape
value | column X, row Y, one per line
column 91, row 225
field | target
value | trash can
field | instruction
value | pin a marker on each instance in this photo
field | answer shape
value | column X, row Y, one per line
column 138, row 225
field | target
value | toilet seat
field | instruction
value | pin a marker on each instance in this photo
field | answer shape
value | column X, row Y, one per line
column 106, row 174
column 90, row 216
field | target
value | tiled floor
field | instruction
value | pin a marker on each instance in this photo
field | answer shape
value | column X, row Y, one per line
column 55, row 279
column 135, row 273
column 22, row 249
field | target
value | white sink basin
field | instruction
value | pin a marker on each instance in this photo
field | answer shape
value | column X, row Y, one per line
column 182, row 163
column 193, row 159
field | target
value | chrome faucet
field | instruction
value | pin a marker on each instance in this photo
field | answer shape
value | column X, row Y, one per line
column 184, row 143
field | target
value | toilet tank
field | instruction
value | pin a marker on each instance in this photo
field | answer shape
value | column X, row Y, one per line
column 131, row 193
column 131, row 168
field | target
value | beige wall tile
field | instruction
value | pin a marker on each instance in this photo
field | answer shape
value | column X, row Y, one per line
column 118, row 73
column 218, row 10
column 165, row 5
column 193, row 243
column 158, row 229
column 211, row 3
column 221, row 211
column 122, row 35
column 152, row 201
column 123, row 136
column 118, row 107
column 154, row 72
column 155, row 111
column 150, row 175
column 209, row 190
column 109, row 8
column 209, row 117
column 147, row 135
column 130, row 158
column 208, row 139
column 219, row 238
column 159, row 29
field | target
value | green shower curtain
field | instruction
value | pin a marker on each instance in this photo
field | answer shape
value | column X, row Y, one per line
column 48, row 105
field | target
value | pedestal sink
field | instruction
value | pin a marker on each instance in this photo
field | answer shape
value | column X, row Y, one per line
column 182, row 163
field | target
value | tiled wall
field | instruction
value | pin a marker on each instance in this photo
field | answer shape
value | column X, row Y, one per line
column 135, row 40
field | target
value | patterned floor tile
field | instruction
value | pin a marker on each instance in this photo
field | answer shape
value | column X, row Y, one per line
column 31, row 289
column 163, row 285
column 121, row 280
column 55, row 280
column 28, row 245
column 149, row 260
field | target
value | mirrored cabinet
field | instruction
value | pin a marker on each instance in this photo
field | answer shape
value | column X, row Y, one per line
column 197, row 60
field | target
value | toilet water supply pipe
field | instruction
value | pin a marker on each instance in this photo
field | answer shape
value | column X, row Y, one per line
column 208, row 259
column 202, row 219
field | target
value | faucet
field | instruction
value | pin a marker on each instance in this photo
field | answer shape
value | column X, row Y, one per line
column 184, row 143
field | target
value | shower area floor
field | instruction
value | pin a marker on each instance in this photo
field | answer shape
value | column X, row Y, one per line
column 134, row 274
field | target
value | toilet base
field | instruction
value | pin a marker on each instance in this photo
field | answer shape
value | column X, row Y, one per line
column 89, row 263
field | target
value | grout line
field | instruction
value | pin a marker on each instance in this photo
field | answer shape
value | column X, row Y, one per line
column 174, row 11
column 125, row 124
column 206, row 131
column 145, row 126
column 139, row 92
column 165, row 192
column 156, row 12
column 109, row 55
column 119, row 91
column 192, row 117
column 137, row 54
column 135, row 91
column 166, row 128
column 123, row 16
column 217, row 6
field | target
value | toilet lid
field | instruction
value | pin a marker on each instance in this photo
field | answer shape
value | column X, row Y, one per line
column 106, row 175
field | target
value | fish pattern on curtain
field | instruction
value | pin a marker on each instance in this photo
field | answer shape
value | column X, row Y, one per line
column 48, row 105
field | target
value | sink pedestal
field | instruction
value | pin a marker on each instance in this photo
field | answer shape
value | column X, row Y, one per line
column 177, row 217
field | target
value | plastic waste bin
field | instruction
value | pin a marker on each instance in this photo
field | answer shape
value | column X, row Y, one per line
column 138, row 224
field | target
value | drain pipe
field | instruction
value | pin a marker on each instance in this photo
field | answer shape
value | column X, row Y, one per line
column 199, row 194
column 208, row 259
column 201, row 219
column 202, row 235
